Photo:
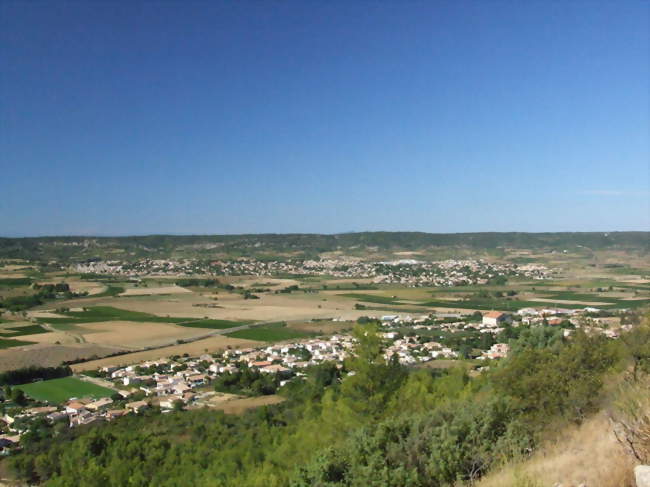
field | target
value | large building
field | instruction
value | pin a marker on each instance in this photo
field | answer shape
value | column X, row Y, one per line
column 495, row 318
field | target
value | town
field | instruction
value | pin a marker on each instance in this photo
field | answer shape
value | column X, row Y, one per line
column 184, row 383
column 407, row 272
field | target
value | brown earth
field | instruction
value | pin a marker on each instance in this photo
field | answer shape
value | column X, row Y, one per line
column 128, row 334
column 47, row 355
column 211, row 345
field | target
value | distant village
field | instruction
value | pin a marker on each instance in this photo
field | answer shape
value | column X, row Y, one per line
column 407, row 272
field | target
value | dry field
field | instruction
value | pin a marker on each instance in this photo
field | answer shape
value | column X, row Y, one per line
column 567, row 301
column 238, row 406
column 275, row 307
column 44, row 314
column 207, row 345
column 48, row 355
column 150, row 291
column 127, row 334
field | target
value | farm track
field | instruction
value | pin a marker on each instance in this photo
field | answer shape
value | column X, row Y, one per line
column 74, row 336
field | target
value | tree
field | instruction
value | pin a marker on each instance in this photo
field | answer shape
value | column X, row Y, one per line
column 637, row 342
column 373, row 380
column 18, row 397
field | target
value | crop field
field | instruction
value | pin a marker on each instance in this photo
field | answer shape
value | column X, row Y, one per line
column 371, row 298
column 275, row 332
column 8, row 343
column 60, row 390
column 15, row 331
column 135, row 335
column 206, row 345
column 212, row 324
column 107, row 313
column 50, row 354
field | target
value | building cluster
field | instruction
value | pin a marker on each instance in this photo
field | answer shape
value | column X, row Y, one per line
column 408, row 272
column 186, row 382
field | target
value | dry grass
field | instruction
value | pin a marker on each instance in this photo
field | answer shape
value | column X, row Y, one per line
column 238, row 406
column 589, row 454
column 631, row 419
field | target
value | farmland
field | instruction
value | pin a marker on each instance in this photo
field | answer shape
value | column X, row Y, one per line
column 15, row 331
column 273, row 332
column 8, row 343
column 153, row 314
column 60, row 390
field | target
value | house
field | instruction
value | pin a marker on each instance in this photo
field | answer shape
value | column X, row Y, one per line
column 75, row 407
column 167, row 402
column 495, row 318
column 137, row 406
column 100, row 403
column 498, row 350
column 115, row 413
column 275, row 368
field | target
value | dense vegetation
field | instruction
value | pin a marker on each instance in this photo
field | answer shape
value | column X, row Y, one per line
column 30, row 374
column 382, row 424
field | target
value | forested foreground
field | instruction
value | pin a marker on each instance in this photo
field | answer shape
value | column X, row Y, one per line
column 383, row 425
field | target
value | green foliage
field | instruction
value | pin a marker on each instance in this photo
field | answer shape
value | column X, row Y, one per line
column 565, row 382
column 371, row 423
column 249, row 381
column 457, row 442
column 29, row 374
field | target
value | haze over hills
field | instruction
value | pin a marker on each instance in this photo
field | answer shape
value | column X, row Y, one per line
column 309, row 244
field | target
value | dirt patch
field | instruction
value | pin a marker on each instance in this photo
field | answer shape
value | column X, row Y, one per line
column 47, row 355
column 238, row 406
column 44, row 314
column 211, row 344
column 152, row 291
column 130, row 334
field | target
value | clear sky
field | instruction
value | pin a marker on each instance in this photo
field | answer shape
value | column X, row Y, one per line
column 247, row 117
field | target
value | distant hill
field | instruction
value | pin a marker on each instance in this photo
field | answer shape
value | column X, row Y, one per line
column 307, row 244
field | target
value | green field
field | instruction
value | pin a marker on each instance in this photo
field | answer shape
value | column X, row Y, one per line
column 6, row 343
column 275, row 332
column 212, row 324
column 110, row 291
column 60, row 390
column 371, row 298
column 97, row 314
column 16, row 331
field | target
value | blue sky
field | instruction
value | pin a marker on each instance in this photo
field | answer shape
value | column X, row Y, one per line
column 122, row 118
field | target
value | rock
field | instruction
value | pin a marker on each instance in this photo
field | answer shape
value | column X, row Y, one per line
column 642, row 475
